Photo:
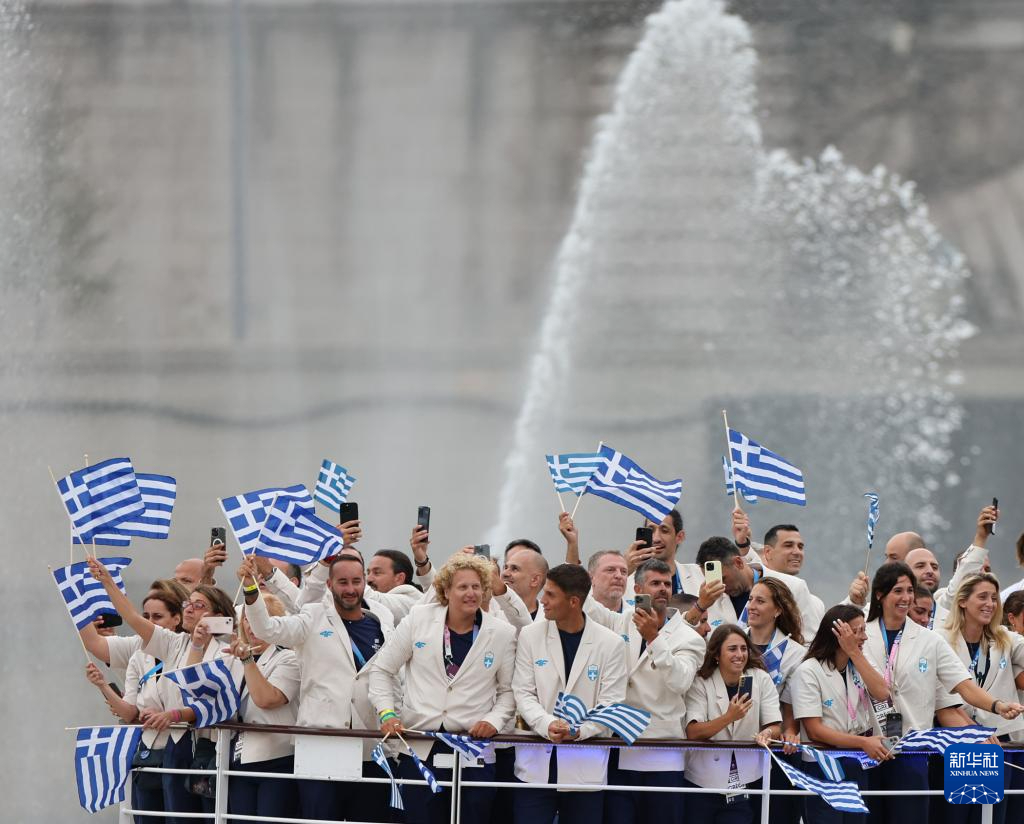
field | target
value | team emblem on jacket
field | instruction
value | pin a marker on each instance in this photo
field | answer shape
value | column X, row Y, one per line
column 923, row 665
column 828, row 702
column 420, row 644
column 540, row 662
column 488, row 660
column 327, row 633
column 592, row 672
column 1002, row 663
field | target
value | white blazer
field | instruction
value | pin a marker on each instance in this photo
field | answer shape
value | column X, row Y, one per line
column 658, row 680
column 1004, row 667
column 925, row 671
column 819, row 690
column 294, row 598
column 281, row 668
column 145, row 696
column 791, row 658
column 480, row 691
column 507, row 607
column 598, row 676
column 332, row 693
column 708, row 699
column 972, row 562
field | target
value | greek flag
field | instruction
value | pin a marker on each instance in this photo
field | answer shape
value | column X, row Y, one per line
column 102, row 540
column 571, row 470
column 158, row 495
column 730, row 484
column 208, row 689
column 839, row 795
column 622, row 481
column 938, row 738
column 764, row 473
column 772, row 657
column 570, row 708
column 872, row 516
column 292, row 534
column 381, row 760
column 83, row 595
column 247, row 512
column 333, row 485
column 428, row 776
column 625, row 721
column 829, row 763
column 103, row 760
column 101, row 496
column 463, row 743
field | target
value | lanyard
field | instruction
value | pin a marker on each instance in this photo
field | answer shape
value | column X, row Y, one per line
column 153, row 671
column 360, row 659
column 890, row 664
column 858, row 686
column 980, row 676
column 931, row 620
column 677, row 585
column 450, row 667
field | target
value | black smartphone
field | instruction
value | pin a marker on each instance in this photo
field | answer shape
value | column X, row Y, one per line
column 423, row 518
column 746, row 686
column 218, row 536
column 109, row 621
column 483, row 550
column 643, row 602
column 645, row 534
column 991, row 527
column 348, row 511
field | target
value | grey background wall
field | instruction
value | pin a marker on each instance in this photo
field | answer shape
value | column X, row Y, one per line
column 403, row 172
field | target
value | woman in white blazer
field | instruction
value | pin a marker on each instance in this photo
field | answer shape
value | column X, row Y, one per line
column 832, row 691
column 775, row 628
column 173, row 649
column 269, row 694
column 458, row 662
column 716, row 711
column 921, row 671
column 993, row 656
column 141, row 694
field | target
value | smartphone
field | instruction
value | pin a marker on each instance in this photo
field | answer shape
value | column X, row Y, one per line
column 218, row 536
column 991, row 527
column 745, row 687
column 482, row 549
column 219, row 625
column 645, row 534
column 348, row 511
column 110, row 620
column 423, row 518
column 893, row 726
column 643, row 602
column 712, row 572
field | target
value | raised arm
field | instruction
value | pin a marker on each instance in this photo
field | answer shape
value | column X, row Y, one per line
column 572, row 538
column 124, row 607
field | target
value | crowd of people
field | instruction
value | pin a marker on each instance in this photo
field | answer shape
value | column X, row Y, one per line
column 733, row 647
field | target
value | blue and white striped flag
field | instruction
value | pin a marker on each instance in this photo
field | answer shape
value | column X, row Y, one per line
column 333, row 485
column 209, row 690
column 428, row 776
column 730, row 484
column 469, row 747
column 101, row 496
column 625, row 721
column 83, row 595
column 159, row 493
column 570, row 471
column 380, row 758
column 772, row 656
column 765, row 474
column 247, row 512
column 829, row 763
column 103, row 761
column 872, row 516
column 570, row 708
column 102, row 540
column 839, row 795
column 293, row 535
column 938, row 738
column 622, row 481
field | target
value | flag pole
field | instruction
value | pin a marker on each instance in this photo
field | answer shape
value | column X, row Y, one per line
column 249, row 554
column 71, row 536
column 78, row 635
column 561, row 503
column 728, row 457
column 600, row 445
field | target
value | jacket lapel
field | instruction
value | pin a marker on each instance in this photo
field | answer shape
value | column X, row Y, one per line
column 483, row 639
column 340, row 633
column 582, row 654
column 554, row 653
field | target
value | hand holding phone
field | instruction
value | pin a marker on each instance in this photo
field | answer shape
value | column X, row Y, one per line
column 645, row 535
column 484, row 550
column 745, row 687
column 423, row 518
column 643, row 602
column 712, row 572
column 219, row 625
column 995, row 506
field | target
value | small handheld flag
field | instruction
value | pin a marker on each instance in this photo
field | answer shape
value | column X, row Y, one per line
column 570, row 471
column 247, row 512
column 938, row 738
column 209, row 690
column 840, row 795
column 622, row 481
column 333, row 485
column 425, row 771
column 83, row 595
column 730, row 484
column 101, row 496
column 158, row 496
column 625, row 721
column 292, row 534
column 762, row 472
column 381, row 760
column 103, row 760
column 872, row 517
column 469, row 747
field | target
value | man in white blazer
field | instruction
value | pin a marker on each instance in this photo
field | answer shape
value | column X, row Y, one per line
column 664, row 655
column 564, row 652
column 458, row 662
column 334, row 639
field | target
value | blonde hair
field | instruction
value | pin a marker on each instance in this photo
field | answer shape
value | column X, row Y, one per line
column 994, row 632
column 275, row 609
column 458, row 562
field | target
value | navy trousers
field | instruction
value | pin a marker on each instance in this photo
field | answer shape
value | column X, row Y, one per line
column 425, row 807
column 264, row 796
column 624, row 807
column 816, row 810
column 541, row 805
column 177, row 799
column 905, row 772
column 714, row 808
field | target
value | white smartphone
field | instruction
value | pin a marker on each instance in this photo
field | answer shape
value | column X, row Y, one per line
column 218, row 625
column 712, row 572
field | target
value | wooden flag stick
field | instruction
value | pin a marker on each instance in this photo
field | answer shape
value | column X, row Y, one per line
column 561, row 503
column 78, row 635
column 71, row 536
column 248, row 554
column 728, row 457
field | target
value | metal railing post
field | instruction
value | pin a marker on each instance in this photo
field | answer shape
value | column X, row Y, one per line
column 220, row 800
column 457, row 789
column 986, row 813
column 766, row 784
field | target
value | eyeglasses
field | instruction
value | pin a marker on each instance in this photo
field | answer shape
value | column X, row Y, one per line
column 195, row 605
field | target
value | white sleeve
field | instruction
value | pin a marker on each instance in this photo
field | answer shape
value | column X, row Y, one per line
column 286, row 592
column 513, row 608
column 289, row 631
column 972, row 562
column 314, row 585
